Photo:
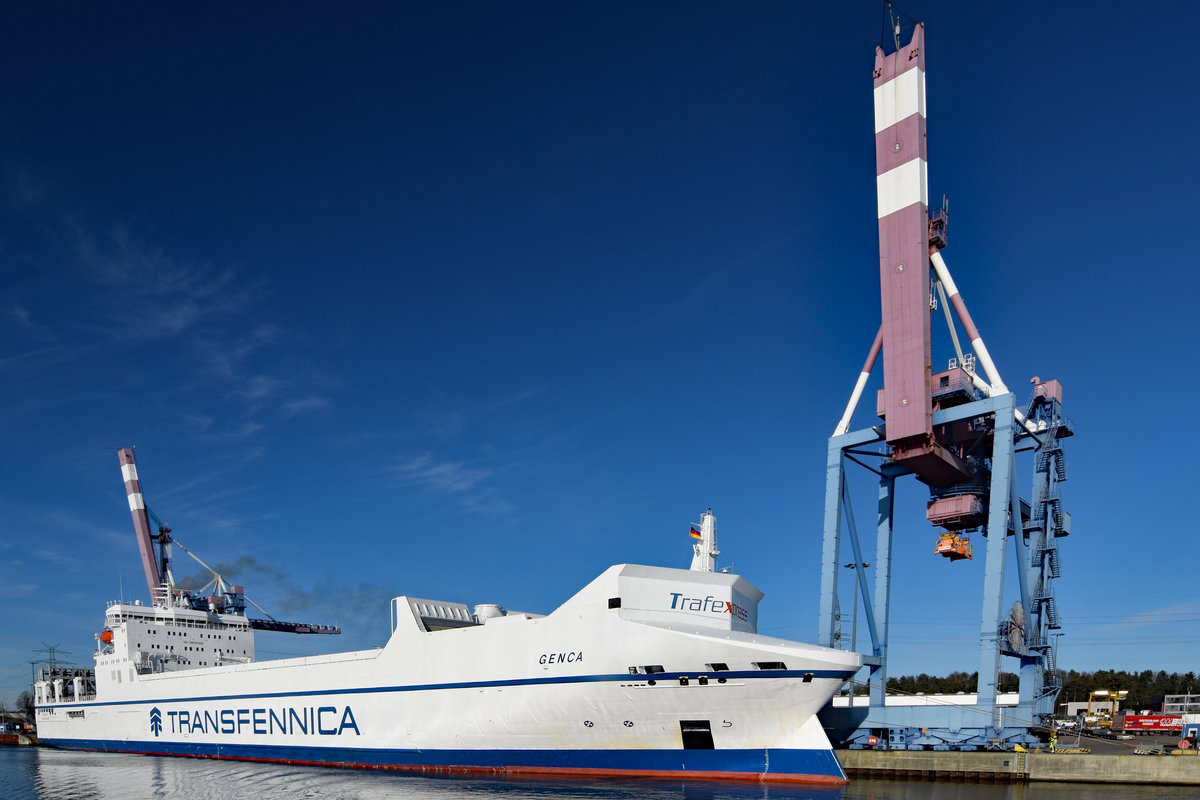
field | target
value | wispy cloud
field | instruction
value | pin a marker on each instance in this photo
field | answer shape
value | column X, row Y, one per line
column 20, row 316
column 489, row 501
column 141, row 293
column 243, row 431
column 441, row 476
column 21, row 323
column 120, row 260
column 199, row 423
column 311, row 403
column 258, row 387
column 1167, row 615
column 128, row 291
column 467, row 483
column 55, row 557
column 171, row 295
column 79, row 533
column 24, row 187
column 260, row 336
column 712, row 282
column 226, row 357
column 441, row 422
column 32, row 354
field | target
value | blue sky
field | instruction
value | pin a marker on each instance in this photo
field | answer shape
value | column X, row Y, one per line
column 470, row 301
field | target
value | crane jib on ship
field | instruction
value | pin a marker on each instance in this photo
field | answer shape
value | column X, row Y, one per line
column 218, row 595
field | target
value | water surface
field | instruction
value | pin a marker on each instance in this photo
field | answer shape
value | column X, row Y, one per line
column 29, row 773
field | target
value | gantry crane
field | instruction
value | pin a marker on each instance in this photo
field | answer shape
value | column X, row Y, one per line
column 958, row 432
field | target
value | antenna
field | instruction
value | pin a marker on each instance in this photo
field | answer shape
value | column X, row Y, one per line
column 893, row 20
column 705, row 552
column 890, row 24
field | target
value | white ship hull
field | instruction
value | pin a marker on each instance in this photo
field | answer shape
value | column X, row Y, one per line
column 579, row 691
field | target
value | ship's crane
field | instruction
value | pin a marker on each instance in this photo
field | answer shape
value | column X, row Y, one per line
column 959, row 433
column 218, row 595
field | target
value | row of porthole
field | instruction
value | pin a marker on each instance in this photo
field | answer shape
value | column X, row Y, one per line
column 587, row 723
column 684, row 680
column 716, row 666
column 188, row 648
column 703, row 680
column 154, row 632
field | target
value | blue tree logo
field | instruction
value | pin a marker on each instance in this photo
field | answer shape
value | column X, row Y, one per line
column 155, row 721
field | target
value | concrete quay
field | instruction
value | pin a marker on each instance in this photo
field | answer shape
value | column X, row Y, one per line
column 1015, row 767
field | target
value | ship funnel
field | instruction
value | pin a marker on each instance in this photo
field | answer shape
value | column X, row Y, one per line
column 486, row 611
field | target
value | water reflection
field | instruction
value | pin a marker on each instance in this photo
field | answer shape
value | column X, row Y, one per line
column 38, row 774
column 867, row 789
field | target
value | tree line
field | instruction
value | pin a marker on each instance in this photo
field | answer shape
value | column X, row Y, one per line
column 1145, row 688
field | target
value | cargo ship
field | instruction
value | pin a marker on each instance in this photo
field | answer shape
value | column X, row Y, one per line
column 645, row 672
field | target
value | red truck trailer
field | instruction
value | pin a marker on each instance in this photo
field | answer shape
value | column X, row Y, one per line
column 1148, row 723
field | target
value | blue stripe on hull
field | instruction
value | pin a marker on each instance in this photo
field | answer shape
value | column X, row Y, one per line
column 664, row 677
column 758, row 764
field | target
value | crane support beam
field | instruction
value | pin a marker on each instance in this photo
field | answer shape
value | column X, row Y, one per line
column 844, row 423
column 964, row 316
column 835, row 470
column 993, row 577
column 141, row 521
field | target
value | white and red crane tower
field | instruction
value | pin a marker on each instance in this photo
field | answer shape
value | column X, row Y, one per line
column 956, row 432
